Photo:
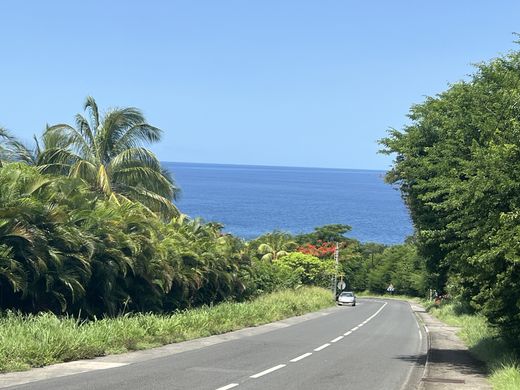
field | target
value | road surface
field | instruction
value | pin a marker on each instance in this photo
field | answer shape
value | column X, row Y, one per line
column 375, row 345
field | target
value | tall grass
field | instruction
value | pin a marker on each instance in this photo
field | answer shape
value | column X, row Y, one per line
column 485, row 343
column 37, row 340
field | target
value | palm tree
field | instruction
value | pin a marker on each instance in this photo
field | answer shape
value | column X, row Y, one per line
column 107, row 153
column 275, row 245
column 44, row 259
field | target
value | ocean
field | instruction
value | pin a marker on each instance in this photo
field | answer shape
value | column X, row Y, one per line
column 253, row 200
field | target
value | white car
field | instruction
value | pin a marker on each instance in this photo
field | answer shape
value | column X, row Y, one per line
column 347, row 298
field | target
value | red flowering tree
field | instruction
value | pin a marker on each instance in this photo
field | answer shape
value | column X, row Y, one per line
column 323, row 250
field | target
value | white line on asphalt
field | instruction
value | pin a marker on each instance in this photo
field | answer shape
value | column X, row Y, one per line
column 360, row 325
column 377, row 312
column 346, row 334
column 420, row 335
column 230, row 386
column 322, row 347
column 426, row 329
column 301, row 357
column 268, row 371
column 336, row 339
column 354, row 329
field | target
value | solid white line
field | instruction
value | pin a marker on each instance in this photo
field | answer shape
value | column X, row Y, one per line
column 268, row 371
column 354, row 329
column 336, row 339
column 322, row 347
column 301, row 357
column 230, row 386
column 360, row 325
column 420, row 335
column 346, row 334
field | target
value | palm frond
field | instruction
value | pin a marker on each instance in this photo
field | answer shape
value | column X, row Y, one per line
column 63, row 136
column 103, row 181
column 135, row 135
column 151, row 200
column 91, row 105
column 85, row 170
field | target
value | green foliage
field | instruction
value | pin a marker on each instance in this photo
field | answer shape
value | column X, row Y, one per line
column 271, row 246
column 458, row 167
column 400, row 266
column 327, row 233
column 308, row 269
column 66, row 248
column 107, row 153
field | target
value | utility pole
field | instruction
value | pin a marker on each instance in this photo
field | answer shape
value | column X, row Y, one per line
column 336, row 257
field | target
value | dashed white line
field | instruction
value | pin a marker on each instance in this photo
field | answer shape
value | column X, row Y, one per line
column 354, row 329
column 301, row 357
column 322, row 347
column 230, row 386
column 269, row 370
column 346, row 334
column 336, row 339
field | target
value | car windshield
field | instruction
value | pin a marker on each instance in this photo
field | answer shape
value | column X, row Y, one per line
column 347, row 294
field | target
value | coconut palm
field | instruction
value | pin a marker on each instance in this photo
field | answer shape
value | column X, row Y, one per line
column 274, row 245
column 107, row 152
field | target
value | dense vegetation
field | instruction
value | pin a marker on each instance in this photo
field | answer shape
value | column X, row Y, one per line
column 458, row 167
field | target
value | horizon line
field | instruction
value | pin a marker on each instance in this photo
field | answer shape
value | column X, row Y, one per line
column 274, row 166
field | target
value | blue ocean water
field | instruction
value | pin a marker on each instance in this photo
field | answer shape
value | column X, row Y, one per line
column 252, row 200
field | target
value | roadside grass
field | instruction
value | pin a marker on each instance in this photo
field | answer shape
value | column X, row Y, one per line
column 484, row 342
column 28, row 341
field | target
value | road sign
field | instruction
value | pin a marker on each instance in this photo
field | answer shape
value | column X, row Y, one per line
column 341, row 285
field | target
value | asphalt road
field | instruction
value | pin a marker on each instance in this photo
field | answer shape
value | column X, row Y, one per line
column 374, row 345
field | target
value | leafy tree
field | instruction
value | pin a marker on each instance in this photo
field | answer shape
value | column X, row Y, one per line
column 326, row 233
column 457, row 165
column 309, row 269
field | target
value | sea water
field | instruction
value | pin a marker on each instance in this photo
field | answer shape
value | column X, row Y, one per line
column 253, row 200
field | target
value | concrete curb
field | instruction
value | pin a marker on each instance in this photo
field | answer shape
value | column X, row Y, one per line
column 449, row 364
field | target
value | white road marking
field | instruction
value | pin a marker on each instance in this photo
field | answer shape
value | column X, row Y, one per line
column 420, row 335
column 301, row 357
column 346, row 334
column 354, row 329
column 230, row 386
column 322, row 347
column 268, row 371
column 336, row 339
column 426, row 329
column 360, row 325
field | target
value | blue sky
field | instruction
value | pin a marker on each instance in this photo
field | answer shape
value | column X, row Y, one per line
column 267, row 82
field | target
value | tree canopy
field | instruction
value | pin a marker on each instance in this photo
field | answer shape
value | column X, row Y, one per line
column 458, row 167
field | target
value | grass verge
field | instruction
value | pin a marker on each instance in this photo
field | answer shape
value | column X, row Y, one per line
column 485, row 343
column 37, row 340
